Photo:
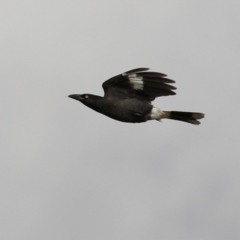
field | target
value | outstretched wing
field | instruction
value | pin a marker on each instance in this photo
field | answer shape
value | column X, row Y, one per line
column 140, row 84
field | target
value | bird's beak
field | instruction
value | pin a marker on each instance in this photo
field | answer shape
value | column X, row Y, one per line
column 75, row 96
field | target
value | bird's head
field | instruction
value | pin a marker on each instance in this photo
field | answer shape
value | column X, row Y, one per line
column 89, row 100
column 80, row 97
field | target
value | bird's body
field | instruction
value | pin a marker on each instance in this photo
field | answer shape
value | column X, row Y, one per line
column 128, row 98
column 124, row 110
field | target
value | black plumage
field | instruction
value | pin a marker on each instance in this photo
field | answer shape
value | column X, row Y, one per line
column 128, row 98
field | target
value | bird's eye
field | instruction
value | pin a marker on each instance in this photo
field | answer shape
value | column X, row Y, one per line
column 86, row 96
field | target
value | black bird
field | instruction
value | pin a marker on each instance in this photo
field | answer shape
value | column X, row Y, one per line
column 128, row 98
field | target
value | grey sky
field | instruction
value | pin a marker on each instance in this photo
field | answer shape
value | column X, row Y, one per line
column 70, row 173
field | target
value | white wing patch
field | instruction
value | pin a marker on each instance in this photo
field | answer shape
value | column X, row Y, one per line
column 136, row 81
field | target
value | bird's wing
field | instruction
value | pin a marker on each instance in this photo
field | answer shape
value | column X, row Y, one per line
column 140, row 84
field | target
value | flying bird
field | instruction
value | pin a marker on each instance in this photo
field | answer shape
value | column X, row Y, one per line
column 128, row 98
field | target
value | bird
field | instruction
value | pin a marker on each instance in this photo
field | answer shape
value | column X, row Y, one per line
column 128, row 98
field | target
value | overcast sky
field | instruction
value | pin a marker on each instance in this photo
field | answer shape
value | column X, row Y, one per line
column 69, row 173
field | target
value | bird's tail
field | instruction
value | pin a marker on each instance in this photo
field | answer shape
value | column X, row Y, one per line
column 189, row 117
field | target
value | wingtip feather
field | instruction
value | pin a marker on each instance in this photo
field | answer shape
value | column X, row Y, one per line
column 136, row 70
